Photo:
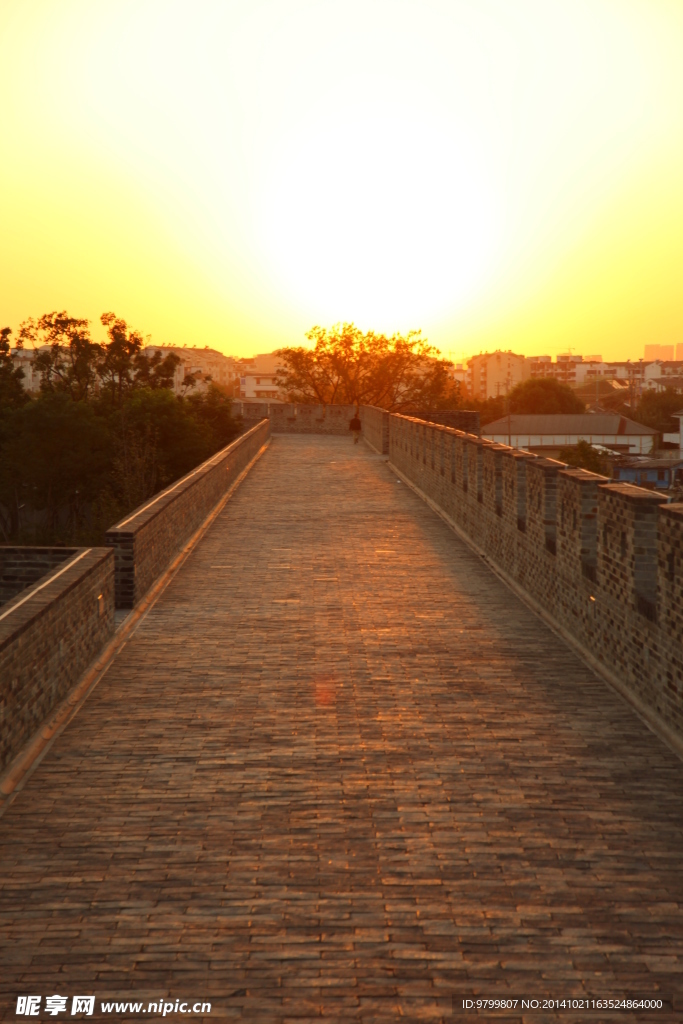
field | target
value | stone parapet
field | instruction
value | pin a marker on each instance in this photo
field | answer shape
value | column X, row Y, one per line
column 375, row 428
column 49, row 634
column 602, row 560
column 297, row 418
column 146, row 541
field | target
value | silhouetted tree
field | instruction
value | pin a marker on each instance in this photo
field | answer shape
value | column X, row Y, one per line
column 348, row 367
column 66, row 356
column 545, row 395
column 12, row 394
column 656, row 408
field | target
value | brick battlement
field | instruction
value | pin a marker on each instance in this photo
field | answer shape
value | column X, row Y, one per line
column 604, row 561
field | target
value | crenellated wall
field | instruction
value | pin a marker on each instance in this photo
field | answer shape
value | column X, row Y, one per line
column 297, row 418
column 603, row 561
column 375, row 423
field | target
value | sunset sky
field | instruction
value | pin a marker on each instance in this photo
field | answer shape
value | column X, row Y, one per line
column 231, row 172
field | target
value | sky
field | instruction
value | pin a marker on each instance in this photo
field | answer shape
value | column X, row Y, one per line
column 233, row 172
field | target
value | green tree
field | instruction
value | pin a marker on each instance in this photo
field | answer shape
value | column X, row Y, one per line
column 656, row 409
column 545, row 395
column 180, row 440
column 55, row 462
column 584, row 456
column 213, row 408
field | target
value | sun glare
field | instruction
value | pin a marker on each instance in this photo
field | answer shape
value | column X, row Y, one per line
column 379, row 213
column 269, row 164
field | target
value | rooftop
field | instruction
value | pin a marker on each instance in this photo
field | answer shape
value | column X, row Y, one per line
column 607, row 424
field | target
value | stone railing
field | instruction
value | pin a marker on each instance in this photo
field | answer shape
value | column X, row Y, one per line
column 602, row 561
column 50, row 631
column 145, row 542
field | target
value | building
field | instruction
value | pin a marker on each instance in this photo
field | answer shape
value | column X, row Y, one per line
column 492, row 374
column 22, row 358
column 258, row 377
column 653, row 352
column 550, row 433
column 206, row 365
column 653, row 474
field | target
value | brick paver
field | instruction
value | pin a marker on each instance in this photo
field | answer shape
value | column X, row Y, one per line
column 340, row 770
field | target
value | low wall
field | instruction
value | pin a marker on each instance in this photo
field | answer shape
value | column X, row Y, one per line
column 145, row 542
column 49, row 634
column 603, row 560
column 293, row 418
column 20, row 567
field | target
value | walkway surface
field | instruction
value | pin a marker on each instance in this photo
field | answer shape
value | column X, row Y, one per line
column 340, row 770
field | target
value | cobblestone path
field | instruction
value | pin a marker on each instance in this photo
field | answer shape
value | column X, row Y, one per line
column 340, row 771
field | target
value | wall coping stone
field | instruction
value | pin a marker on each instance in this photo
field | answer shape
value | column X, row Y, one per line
column 17, row 615
column 634, row 494
column 584, row 476
column 675, row 510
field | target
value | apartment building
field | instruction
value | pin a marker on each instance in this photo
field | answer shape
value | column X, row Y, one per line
column 491, row 374
column 22, row 358
column 206, row 365
column 258, row 377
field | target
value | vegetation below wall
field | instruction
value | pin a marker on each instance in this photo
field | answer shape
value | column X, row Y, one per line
column 75, row 459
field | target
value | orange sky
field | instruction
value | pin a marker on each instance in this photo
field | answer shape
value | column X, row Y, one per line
column 231, row 172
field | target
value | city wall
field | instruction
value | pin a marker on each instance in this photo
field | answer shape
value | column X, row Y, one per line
column 57, row 605
column 293, row 418
column 603, row 561
column 49, row 633
column 146, row 541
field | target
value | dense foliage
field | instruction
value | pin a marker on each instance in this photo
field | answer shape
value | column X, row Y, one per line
column 656, row 410
column 544, row 395
column 584, row 456
column 104, row 434
column 348, row 367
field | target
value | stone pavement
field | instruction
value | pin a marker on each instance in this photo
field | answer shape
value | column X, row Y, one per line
column 340, row 771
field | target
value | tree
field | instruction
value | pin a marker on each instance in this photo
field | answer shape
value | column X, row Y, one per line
column 348, row 367
column 55, row 462
column 12, row 394
column 117, row 363
column 545, row 395
column 66, row 356
column 656, row 409
column 155, row 371
column 213, row 408
column 584, row 456
column 124, row 366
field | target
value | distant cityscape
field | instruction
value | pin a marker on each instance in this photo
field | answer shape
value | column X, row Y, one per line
column 483, row 376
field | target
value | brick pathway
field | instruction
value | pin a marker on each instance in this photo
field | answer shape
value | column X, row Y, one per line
column 340, row 771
